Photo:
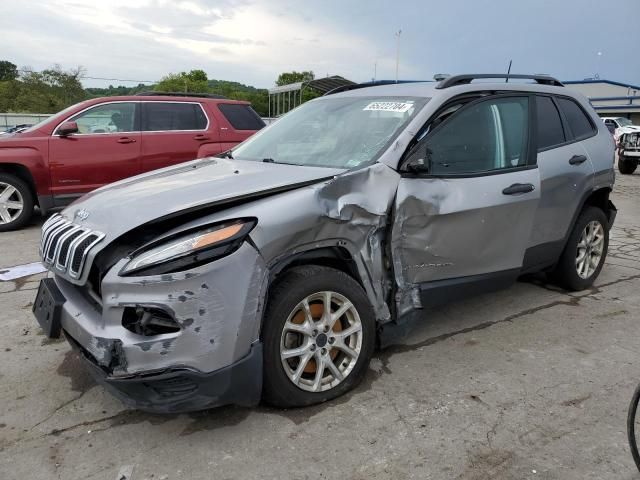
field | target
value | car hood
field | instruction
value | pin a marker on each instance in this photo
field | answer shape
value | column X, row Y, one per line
column 629, row 129
column 119, row 207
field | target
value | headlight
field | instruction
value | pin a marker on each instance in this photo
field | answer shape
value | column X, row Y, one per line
column 190, row 250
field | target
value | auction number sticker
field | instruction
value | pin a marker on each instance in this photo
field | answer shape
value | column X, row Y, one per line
column 400, row 107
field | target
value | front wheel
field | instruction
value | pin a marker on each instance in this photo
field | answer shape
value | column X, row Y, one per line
column 16, row 202
column 627, row 165
column 585, row 251
column 319, row 335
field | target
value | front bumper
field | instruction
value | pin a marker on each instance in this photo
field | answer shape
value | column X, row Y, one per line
column 184, row 390
column 214, row 358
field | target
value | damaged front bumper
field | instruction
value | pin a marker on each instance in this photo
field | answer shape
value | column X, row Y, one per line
column 212, row 358
column 184, row 390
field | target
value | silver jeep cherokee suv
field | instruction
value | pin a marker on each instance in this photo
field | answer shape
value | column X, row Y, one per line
column 272, row 272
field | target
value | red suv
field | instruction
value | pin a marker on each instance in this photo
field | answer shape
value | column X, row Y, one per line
column 103, row 140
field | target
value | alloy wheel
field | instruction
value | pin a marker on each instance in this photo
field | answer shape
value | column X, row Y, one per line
column 589, row 251
column 11, row 203
column 321, row 341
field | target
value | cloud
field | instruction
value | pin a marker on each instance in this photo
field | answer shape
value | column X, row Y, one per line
column 252, row 42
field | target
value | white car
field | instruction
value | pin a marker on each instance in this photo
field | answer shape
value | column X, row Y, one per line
column 620, row 125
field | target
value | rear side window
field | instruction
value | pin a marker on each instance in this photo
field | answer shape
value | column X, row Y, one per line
column 579, row 123
column 241, row 117
column 160, row 116
column 550, row 131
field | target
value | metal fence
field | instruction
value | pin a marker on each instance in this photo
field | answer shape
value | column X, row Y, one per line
column 12, row 119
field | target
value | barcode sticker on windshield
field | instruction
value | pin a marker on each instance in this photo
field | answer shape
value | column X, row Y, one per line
column 400, row 107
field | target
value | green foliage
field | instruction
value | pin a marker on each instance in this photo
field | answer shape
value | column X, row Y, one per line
column 195, row 81
column 54, row 89
column 286, row 78
column 120, row 90
column 8, row 71
column 48, row 91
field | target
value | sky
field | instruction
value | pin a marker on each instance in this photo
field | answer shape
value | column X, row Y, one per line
column 253, row 41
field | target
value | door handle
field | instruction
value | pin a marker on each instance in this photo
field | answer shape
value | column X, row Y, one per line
column 126, row 140
column 518, row 188
column 577, row 159
column 201, row 137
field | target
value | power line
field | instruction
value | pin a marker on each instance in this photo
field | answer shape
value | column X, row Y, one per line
column 120, row 79
column 24, row 70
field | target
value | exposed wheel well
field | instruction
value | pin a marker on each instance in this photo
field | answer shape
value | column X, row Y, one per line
column 334, row 257
column 600, row 199
column 23, row 173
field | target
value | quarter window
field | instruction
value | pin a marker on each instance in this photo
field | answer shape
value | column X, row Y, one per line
column 482, row 137
column 550, row 131
column 241, row 117
column 107, row 118
column 161, row 116
column 578, row 121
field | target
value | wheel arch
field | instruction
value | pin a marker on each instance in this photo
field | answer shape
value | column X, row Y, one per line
column 598, row 198
column 24, row 174
column 337, row 257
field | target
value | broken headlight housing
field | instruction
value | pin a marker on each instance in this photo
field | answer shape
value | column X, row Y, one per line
column 188, row 250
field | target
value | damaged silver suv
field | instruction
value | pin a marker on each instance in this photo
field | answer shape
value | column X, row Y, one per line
column 274, row 271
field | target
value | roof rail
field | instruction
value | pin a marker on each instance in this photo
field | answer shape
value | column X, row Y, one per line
column 374, row 83
column 178, row 94
column 468, row 78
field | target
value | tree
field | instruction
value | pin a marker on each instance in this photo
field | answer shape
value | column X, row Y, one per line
column 286, row 78
column 48, row 91
column 194, row 81
column 8, row 71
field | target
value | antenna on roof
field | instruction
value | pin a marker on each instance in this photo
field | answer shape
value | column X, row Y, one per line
column 508, row 71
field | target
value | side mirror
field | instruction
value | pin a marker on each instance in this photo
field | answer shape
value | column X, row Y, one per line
column 67, row 128
column 419, row 160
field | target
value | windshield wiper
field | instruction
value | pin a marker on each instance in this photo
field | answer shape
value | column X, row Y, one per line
column 226, row 154
column 268, row 160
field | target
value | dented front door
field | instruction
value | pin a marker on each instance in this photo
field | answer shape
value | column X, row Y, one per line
column 472, row 213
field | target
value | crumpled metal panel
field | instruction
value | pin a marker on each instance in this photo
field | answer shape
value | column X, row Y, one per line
column 217, row 306
column 350, row 211
column 450, row 228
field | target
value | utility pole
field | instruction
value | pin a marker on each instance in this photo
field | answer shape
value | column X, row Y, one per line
column 398, row 33
column 375, row 70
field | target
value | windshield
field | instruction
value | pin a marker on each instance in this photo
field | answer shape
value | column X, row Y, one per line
column 624, row 122
column 342, row 132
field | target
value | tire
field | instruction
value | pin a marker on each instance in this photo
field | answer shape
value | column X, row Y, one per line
column 627, row 166
column 16, row 192
column 631, row 426
column 285, row 310
column 566, row 273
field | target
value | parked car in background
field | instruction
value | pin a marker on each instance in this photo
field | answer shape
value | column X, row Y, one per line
column 16, row 129
column 616, row 125
column 273, row 271
column 104, row 140
column 628, row 150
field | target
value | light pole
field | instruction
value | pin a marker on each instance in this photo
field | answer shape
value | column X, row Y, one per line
column 398, row 33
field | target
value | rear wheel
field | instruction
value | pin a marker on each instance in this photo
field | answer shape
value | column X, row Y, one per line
column 585, row 251
column 16, row 202
column 319, row 335
column 627, row 165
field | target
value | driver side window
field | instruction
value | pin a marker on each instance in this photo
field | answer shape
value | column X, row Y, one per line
column 107, row 118
column 485, row 136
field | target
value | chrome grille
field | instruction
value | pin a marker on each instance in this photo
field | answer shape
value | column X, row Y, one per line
column 65, row 245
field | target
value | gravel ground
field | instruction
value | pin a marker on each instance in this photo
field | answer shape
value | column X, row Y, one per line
column 530, row 382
